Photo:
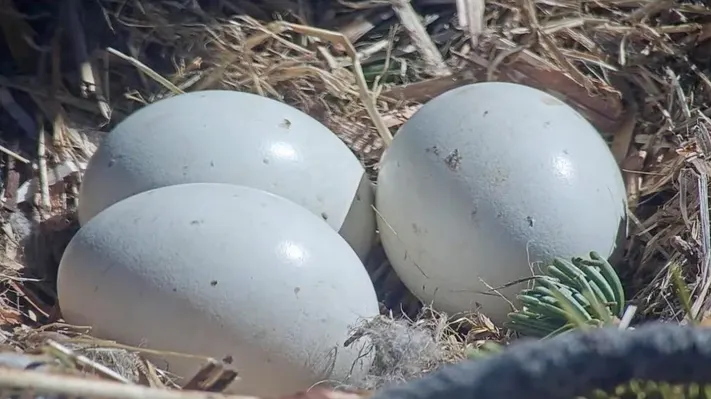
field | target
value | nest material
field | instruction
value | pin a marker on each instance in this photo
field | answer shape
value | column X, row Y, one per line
column 636, row 70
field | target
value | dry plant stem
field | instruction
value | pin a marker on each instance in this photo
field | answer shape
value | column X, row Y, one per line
column 90, row 88
column 624, row 135
column 57, row 349
column 212, row 377
column 36, row 305
column 633, row 164
column 116, row 345
column 365, row 93
column 45, row 204
column 650, row 9
column 149, row 375
column 12, row 182
column 627, row 317
column 462, row 17
column 645, row 233
column 14, row 155
column 135, row 53
column 50, row 384
column 36, row 90
column 148, row 71
column 696, row 308
column 471, row 16
column 703, row 136
column 88, row 83
column 434, row 62
column 361, row 26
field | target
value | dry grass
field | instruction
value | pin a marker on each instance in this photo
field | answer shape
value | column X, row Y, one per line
column 636, row 69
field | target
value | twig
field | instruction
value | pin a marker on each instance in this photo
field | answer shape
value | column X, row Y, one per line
column 365, row 94
column 627, row 317
column 12, row 176
column 148, row 71
column 650, row 9
column 430, row 53
column 89, row 88
column 212, row 377
column 116, row 345
column 14, row 155
column 471, row 16
column 135, row 53
column 37, row 90
column 149, row 375
column 623, row 136
column 705, row 240
column 36, row 304
column 45, row 204
column 70, row 386
column 62, row 351
column 364, row 24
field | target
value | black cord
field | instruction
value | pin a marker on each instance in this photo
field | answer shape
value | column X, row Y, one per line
column 572, row 365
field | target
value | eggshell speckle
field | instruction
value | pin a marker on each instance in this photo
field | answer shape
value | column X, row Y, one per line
column 486, row 179
column 224, row 271
column 220, row 136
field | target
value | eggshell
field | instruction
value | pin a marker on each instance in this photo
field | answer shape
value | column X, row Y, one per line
column 224, row 271
column 483, row 181
column 220, row 136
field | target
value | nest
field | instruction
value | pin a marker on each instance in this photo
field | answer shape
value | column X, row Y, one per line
column 636, row 70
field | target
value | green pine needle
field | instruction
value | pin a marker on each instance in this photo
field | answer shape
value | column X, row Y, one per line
column 577, row 293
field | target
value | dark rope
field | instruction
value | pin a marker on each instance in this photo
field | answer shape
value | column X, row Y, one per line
column 572, row 365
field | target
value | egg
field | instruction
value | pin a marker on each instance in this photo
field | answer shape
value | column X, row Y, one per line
column 486, row 181
column 225, row 271
column 220, row 136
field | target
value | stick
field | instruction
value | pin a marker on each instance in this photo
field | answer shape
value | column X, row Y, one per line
column 14, row 155
column 411, row 22
column 45, row 204
column 70, row 386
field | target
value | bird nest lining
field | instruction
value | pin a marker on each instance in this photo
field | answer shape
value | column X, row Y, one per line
column 636, row 70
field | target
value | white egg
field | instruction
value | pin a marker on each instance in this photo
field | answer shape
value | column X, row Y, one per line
column 224, row 271
column 220, row 136
column 483, row 181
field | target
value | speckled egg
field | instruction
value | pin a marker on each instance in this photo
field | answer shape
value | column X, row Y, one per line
column 485, row 181
column 225, row 271
column 220, row 136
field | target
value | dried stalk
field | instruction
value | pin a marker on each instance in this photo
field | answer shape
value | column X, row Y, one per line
column 45, row 203
column 70, row 386
column 421, row 40
column 365, row 93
